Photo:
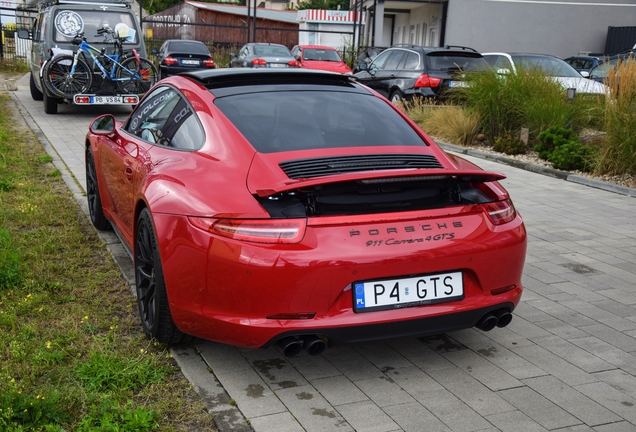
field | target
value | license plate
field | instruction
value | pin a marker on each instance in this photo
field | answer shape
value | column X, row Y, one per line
column 385, row 294
column 457, row 84
column 85, row 99
column 190, row 62
column 277, row 65
column 105, row 100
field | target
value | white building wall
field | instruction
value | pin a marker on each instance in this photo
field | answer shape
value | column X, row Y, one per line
column 562, row 28
column 334, row 40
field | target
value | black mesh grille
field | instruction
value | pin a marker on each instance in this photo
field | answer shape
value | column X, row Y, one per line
column 305, row 168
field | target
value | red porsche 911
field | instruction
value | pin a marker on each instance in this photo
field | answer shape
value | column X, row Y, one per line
column 299, row 208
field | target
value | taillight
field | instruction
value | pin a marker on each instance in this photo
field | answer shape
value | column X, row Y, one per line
column 500, row 212
column 169, row 61
column 259, row 62
column 254, row 230
column 427, row 81
column 293, row 63
column 209, row 62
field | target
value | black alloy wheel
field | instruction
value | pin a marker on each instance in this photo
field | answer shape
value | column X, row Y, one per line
column 92, row 194
column 152, row 298
column 396, row 97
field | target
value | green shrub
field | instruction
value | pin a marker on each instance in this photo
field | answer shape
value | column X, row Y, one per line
column 552, row 138
column 561, row 147
column 573, row 156
column 509, row 145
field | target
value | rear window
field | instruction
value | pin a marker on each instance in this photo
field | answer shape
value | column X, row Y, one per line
column 551, row 66
column 321, row 54
column 188, row 47
column 441, row 61
column 299, row 120
column 68, row 23
column 271, row 50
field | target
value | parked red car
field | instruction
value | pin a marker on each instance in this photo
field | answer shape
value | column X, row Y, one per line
column 321, row 58
column 300, row 208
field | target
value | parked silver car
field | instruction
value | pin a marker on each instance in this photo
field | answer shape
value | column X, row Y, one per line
column 264, row 55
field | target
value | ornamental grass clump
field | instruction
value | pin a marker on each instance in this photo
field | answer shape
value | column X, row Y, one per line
column 447, row 122
column 618, row 150
column 506, row 102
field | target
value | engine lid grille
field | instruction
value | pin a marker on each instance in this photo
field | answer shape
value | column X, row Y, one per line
column 317, row 167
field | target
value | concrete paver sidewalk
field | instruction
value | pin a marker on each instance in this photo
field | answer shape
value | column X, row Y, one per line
column 567, row 361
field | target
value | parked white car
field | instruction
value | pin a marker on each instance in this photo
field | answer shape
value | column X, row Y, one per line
column 554, row 67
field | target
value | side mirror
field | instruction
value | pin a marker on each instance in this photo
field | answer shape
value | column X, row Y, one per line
column 154, row 51
column 232, row 54
column 103, row 125
column 24, row 34
column 585, row 74
column 363, row 66
column 503, row 71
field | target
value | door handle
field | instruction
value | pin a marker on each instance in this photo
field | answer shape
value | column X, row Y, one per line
column 392, row 76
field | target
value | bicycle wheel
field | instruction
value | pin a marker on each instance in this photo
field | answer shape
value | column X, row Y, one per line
column 136, row 78
column 58, row 80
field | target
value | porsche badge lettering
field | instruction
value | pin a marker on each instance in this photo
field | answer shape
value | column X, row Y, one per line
column 408, row 229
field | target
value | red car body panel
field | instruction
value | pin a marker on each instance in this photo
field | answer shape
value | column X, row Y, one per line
column 223, row 289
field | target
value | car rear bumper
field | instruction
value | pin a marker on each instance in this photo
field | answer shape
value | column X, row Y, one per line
column 227, row 291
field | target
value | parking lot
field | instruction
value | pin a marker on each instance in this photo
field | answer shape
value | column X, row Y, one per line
column 567, row 361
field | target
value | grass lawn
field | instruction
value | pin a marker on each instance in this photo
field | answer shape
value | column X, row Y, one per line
column 73, row 356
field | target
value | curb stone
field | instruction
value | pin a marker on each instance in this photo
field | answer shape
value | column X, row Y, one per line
column 563, row 175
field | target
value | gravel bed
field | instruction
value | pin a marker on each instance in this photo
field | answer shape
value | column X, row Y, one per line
column 626, row 180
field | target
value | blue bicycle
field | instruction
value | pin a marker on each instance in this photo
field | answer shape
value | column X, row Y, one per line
column 66, row 75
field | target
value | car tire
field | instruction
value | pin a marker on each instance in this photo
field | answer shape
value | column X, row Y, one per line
column 95, row 210
column 36, row 94
column 50, row 103
column 396, row 97
column 152, row 297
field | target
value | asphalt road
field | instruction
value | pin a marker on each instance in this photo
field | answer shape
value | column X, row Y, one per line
column 567, row 362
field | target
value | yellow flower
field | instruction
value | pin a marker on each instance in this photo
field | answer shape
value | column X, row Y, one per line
column 48, row 344
column 85, row 318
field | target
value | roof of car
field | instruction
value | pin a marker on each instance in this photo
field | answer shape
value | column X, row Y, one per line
column 446, row 48
column 241, row 77
column 318, row 47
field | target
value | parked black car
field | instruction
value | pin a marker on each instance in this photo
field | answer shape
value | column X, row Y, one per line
column 264, row 55
column 176, row 56
column 366, row 56
column 583, row 63
column 405, row 71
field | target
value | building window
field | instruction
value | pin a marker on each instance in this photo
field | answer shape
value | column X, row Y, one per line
column 404, row 34
column 424, row 32
column 431, row 40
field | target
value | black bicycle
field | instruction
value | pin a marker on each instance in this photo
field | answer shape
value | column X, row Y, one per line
column 67, row 75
